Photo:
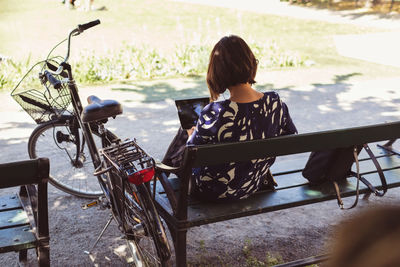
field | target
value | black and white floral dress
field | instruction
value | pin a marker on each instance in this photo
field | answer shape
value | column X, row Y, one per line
column 228, row 121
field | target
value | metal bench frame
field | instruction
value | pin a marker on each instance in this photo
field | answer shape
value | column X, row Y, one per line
column 181, row 213
column 30, row 228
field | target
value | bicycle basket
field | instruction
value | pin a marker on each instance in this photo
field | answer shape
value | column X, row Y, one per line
column 43, row 103
column 130, row 160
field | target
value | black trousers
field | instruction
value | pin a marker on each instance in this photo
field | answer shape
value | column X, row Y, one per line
column 174, row 155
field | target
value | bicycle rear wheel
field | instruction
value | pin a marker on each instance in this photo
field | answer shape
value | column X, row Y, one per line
column 129, row 170
column 137, row 216
column 71, row 167
column 146, row 235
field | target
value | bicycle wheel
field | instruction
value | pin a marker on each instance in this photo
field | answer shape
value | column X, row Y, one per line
column 71, row 167
column 146, row 237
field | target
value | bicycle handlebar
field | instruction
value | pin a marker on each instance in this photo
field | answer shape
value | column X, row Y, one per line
column 54, row 69
column 83, row 27
column 78, row 30
column 55, row 82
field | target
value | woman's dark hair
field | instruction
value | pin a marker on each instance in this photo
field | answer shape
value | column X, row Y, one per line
column 231, row 62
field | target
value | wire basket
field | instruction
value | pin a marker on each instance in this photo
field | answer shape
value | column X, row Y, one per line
column 130, row 160
column 39, row 99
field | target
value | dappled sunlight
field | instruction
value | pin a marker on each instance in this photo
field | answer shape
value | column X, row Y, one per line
column 325, row 109
column 392, row 113
column 131, row 117
column 62, row 203
column 155, row 91
column 56, row 204
column 343, row 103
column 95, row 260
column 171, row 130
column 171, row 122
column 122, row 251
column 309, row 88
column 379, row 91
column 153, row 120
column 8, row 130
column 155, row 106
column 15, row 124
column 15, row 136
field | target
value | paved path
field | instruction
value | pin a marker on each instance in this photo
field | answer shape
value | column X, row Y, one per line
column 340, row 103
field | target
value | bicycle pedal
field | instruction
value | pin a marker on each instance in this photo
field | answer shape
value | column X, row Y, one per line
column 90, row 205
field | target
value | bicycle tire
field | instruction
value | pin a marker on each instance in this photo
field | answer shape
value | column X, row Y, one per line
column 145, row 231
column 74, row 180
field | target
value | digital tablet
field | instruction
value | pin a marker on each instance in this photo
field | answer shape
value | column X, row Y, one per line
column 189, row 110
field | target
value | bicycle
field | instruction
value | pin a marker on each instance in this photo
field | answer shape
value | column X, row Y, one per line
column 69, row 135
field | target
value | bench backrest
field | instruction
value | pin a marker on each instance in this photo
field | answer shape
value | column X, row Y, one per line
column 212, row 154
column 24, row 172
column 207, row 155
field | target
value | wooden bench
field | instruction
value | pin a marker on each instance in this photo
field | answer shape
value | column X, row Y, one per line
column 24, row 216
column 181, row 213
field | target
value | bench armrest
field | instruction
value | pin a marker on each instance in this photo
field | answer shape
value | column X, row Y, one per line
column 168, row 169
column 161, row 170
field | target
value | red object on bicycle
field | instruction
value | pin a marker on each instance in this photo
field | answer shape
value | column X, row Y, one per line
column 142, row 176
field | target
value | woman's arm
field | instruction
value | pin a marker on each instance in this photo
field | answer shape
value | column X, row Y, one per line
column 288, row 125
column 206, row 128
column 190, row 131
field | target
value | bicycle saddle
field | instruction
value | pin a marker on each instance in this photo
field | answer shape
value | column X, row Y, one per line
column 100, row 109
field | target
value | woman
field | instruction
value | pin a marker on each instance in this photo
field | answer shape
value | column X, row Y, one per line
column 246, row 115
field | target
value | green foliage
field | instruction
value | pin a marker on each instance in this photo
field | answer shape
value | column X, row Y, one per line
column 174, row 39
column 252, row 261
column 11, row 72
column 141, row 62
column 3, row 80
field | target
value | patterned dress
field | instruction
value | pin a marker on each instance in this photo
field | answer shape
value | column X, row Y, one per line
column 228, row 121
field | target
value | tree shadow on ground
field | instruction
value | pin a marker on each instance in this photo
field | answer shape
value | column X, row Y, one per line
column 320, row 106
column 159, row 91
column 339, row 104
column 153, row 120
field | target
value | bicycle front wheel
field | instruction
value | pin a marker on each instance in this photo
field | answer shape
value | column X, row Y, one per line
column 148, row 241
column 71, row 167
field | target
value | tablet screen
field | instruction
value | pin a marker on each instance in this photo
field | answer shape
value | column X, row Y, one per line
column 189, row 110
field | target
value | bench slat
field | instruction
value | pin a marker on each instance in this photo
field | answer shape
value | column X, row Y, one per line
column 12, row 218
column 17, row 238
column 292, row 177
column 299, row 160
column 9, row 202
column 207, row 155
column 296, row 178
column 204, row 213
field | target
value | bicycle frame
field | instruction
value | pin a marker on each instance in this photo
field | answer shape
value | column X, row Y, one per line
column 77, row 105
column 118, row 188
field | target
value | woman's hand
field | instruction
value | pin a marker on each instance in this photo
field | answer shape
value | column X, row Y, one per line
column 190, row 131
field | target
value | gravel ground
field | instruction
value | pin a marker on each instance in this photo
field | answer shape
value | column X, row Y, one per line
column 292, row 234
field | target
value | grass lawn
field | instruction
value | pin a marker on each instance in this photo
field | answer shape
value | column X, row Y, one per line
column 29, row 28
